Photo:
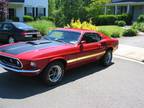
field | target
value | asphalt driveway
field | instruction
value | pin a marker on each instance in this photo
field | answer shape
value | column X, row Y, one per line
column 91, row 86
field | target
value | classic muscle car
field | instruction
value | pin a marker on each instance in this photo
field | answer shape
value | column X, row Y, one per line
column 60, row 50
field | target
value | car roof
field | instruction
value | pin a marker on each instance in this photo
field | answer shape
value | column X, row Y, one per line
column 77, row 30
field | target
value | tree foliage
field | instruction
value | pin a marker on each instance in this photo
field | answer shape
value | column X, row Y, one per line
column 66, row 10
column 3, row 9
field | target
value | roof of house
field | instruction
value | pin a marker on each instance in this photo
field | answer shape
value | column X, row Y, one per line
column 21, row 1
column 118, row 1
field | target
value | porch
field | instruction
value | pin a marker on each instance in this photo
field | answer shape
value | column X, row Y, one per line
column 133, row 8
column 16, row 9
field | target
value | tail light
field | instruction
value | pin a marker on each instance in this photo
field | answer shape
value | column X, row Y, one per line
column 23, row 33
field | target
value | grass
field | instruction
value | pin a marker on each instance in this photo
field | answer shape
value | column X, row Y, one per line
column 110, row 29
column 42, row 25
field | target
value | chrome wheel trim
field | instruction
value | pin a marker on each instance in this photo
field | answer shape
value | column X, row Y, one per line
column 108, row 58
column 11, row 40
column 55, row 73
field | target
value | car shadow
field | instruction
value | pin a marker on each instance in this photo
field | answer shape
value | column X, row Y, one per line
column 20, row 87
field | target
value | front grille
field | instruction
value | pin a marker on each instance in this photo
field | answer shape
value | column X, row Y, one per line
column 11, row 62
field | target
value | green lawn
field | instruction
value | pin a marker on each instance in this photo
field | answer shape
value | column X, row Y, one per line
column 109, row 29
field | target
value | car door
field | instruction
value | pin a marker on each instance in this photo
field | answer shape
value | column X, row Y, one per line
column 6, row 31
column 91, row 48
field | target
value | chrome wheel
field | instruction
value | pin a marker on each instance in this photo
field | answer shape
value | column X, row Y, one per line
column 108, row 58
column 55, row 73
column 11, row 40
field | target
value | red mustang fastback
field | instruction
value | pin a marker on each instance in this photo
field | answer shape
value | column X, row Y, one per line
column 60, row 50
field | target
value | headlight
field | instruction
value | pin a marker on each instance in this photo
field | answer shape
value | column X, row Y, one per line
column 33, row 64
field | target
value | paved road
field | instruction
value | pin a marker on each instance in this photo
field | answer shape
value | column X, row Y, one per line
column 119, row 86
column 137, row 41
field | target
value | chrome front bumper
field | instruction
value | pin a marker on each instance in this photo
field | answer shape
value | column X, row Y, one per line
column 19, row 71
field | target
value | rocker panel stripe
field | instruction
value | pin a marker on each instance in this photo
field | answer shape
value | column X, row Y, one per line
column 85, row 57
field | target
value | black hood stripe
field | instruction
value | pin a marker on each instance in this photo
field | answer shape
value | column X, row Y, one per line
column 25, row 47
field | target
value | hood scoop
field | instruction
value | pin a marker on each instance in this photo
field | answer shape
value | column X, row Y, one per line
column 38, row 42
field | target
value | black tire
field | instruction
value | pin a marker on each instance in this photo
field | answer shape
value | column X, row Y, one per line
column 11, row 40
column 107, row 58
column 53, row 73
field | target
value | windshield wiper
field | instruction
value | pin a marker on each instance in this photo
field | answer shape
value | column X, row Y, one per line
column 46, row 38
column 59, row 40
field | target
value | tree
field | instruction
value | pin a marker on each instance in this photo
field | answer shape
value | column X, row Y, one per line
column 51, row 6
column 3, row 9
column 73, row 9
column 96, row 7
column 66, row 10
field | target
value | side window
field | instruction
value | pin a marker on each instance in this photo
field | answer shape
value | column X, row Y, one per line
column 98, row 37
column 7, row 27
column 91, row 37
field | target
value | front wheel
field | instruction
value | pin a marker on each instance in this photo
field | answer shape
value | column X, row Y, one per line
column 107, row 59
column 53, row 73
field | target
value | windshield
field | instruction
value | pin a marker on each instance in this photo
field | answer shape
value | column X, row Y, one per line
column 63, row 36
column 22, row 26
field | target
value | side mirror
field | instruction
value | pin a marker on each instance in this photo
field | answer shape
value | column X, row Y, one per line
column 83, row 42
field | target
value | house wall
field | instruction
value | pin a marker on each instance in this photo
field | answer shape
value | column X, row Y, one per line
column 19, row 9
column 20, row 6
column 20, row 12
column 138, row 10
column 37, row 3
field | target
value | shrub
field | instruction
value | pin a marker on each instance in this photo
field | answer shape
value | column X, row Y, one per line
column 47, row 18
column 116, row 22
column 28, row 18
column 42, row 25
column 138, row 26
column 125, row 17
column 36, row 18
column 140, row 18
column 15, row 19
column 104, row 20
column 115, row 35
column 111, row 19
column 121, row 23
column 130, row 32
column 82, row 25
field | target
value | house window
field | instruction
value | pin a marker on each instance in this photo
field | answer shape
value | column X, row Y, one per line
column 29, row 11
column 12, row 13
column 41, row 12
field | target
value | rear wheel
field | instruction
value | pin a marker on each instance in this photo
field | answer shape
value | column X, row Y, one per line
column 11, row 40
column 107, row 59
column 53, row 73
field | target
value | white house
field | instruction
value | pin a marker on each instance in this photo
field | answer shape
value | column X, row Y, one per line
column 133, row 7
column 35, row 8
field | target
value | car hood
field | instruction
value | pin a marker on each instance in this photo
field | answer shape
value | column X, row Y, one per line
column 30, row 46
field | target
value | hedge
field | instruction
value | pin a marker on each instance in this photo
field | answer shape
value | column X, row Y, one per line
column 28, row 18
column 130, row 32
column 110, row 19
